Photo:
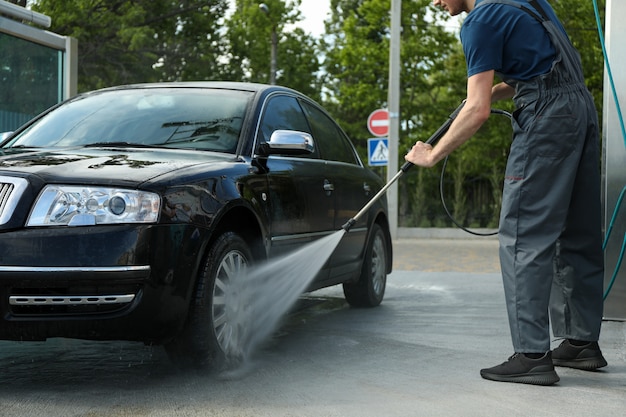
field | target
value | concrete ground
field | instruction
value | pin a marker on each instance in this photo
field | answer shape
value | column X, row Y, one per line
column 469, row 268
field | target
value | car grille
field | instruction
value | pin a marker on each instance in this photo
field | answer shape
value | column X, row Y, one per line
column 11, row 190
column 5, row 194
column 59, row 302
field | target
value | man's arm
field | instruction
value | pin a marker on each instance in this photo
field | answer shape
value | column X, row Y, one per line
column 501, row 91
column 474, row 113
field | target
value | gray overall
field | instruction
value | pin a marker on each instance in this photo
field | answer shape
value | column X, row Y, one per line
column 550, row 224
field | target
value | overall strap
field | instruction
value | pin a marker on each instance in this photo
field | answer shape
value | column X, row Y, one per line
column 538, row 8
column 559, row 39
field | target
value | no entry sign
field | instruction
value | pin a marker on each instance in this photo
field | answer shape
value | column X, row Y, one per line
column 378, row 122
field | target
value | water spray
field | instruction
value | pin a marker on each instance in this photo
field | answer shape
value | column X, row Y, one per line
column 404, row 168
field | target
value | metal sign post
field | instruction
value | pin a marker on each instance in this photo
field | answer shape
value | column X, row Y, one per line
column 394, row 113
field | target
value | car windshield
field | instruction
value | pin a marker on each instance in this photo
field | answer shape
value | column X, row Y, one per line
column 191, row 118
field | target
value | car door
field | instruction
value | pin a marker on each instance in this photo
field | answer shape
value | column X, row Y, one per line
column 352, row 189
column 301, row 202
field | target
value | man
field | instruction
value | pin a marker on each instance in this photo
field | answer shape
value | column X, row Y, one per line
column 550, row 224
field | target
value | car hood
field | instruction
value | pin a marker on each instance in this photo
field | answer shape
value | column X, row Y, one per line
column 98, row 165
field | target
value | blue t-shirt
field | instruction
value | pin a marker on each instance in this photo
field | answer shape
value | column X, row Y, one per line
column 508, row 40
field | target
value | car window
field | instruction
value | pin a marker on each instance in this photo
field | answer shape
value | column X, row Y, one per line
column 283, row 112
column 208, row 119
column 332, row 142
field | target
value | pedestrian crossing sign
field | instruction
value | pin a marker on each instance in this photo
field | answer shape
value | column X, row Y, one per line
column 378, row 151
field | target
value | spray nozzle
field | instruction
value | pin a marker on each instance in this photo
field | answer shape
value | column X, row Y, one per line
column 349, row 224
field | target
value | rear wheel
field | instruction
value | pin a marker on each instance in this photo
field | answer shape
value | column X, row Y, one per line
column 215, row 333
column 369, row 290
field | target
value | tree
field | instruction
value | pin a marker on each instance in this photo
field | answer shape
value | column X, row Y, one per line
column 357, row 53
column 250, row 33
column 123, row 42
column 190, row 40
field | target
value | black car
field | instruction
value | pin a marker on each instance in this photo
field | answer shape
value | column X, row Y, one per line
column 128, row 212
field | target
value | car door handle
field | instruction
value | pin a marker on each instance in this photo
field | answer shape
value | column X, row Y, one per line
column 328, row 186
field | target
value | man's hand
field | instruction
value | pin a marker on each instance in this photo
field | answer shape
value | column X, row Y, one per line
column 421, row 155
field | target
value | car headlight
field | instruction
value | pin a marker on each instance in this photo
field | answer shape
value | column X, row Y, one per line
column 65, row 205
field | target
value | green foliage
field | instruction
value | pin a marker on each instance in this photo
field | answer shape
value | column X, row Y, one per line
column 249, row 37
column 356, row 50
column 189, row 41
column 123, row 42
column 249, row 31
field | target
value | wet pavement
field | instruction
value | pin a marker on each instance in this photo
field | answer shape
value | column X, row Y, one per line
column 418, row 354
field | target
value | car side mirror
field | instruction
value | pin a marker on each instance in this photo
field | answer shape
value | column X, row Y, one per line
column 288, row 142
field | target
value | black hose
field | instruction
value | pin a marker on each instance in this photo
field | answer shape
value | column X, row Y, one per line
column 443, row 201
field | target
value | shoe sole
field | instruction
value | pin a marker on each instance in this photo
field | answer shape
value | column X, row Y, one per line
column 542, row 378
column 585, row 364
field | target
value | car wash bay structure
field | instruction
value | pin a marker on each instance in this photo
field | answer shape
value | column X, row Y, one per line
column 38, row 67
column 614, row 159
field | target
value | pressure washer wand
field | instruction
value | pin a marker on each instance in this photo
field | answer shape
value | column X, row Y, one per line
column 404, row 168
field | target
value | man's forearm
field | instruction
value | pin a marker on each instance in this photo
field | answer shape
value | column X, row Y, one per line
column 501, row 91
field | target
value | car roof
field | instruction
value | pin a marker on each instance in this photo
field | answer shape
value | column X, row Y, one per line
column 227, row 85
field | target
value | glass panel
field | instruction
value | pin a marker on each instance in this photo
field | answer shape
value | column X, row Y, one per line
column 282, row 112
column 30, row 80
column 333, row 144
column 194, row 118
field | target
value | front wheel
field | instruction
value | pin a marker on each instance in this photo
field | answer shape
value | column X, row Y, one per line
column 369, row 290
column 216, row 328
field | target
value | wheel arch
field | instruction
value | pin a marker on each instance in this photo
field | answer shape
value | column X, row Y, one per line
column 239, row 219
column 243, row 221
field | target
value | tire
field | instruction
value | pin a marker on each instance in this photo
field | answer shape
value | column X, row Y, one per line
column 213, row 334
column 369, row 290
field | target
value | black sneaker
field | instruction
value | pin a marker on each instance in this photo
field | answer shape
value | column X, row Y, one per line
column 522, row 369
column 586, row 357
